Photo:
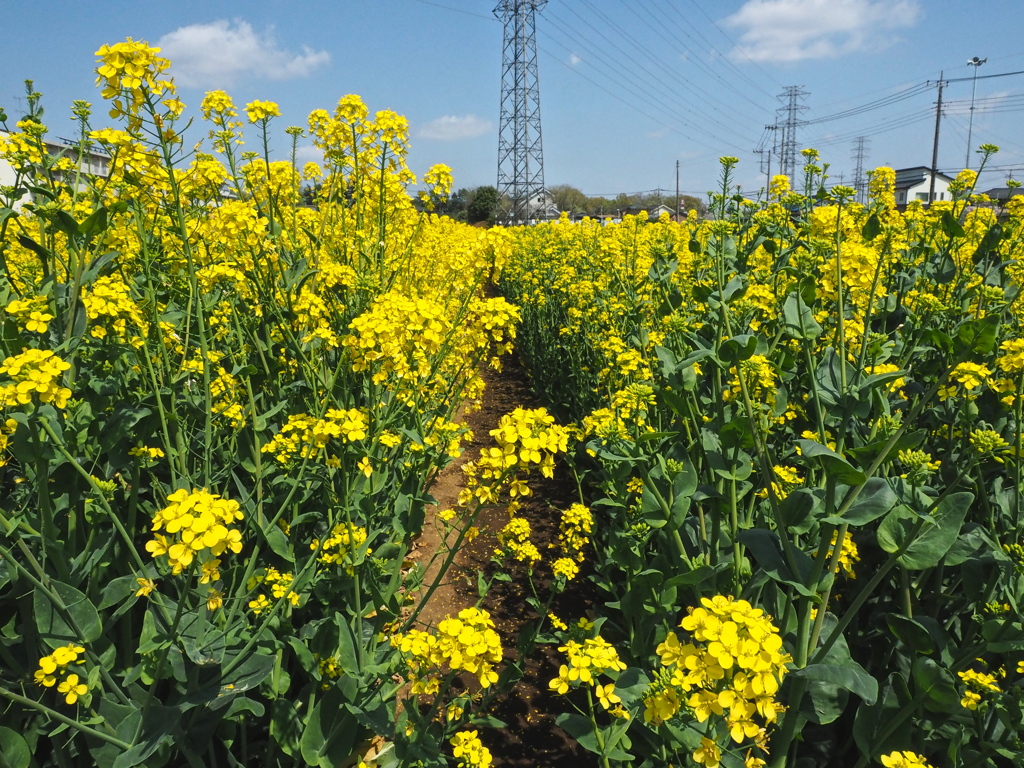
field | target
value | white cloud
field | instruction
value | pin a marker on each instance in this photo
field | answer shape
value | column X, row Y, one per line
column 574, row 59
column 218, row 54
column 791, row 30
column 307, row 153
column 454, row 128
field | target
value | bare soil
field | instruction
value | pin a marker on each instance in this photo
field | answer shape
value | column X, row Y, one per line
column 530, row 737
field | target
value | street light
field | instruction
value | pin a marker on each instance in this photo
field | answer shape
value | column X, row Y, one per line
column 975, row 62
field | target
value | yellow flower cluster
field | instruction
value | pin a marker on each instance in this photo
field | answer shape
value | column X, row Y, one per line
column 278, row 582
column 260, row 110
column 970, row 376
column 109, row 306
column 989, row 443
column 344, row 540
column 306, row 437
column 33, row 312
column 919, row 465
column 525, row 438
column 733, row 669
column 976, row 683
column 848, row 554
column 470, row 751
column 574, row 531
column 587, row 661
column 467, row 643
column 34, row 376
column 904, row 759
column 514, row 539
column 53, row 670
column 194, row 521
column 127, row 71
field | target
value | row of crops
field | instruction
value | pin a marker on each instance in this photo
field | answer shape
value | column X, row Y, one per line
column 801, row 422
column 794, row 428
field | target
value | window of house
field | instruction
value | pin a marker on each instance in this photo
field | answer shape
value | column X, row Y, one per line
column 922, row 196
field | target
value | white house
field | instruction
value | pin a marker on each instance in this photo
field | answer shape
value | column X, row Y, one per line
column 95, row 162
column 915, row 184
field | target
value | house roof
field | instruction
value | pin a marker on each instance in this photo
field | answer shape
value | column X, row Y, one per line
column 910, row 177
column 1003, row 193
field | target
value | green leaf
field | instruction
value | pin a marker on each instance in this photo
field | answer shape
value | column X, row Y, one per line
column 875, row 500
column 835, row 466
column 330, row 732
column 285, row 726
column 580, row 728
column 798, row 318
column 872, row 227
column 921, row 635
column 14, row 751
column 977, row 336
column 767, row 550
column 53, row 622
column 934, row 541
column 937, row 684
column 798, row 510
column 738, row 348
column 950, row 225
column 853, row 678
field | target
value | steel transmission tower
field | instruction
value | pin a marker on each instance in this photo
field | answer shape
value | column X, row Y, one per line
column 520, row 151
column 788, row 120
column 859, row 179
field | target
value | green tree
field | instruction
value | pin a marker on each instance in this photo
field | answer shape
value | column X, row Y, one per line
column 568, row 198
column 482, row 204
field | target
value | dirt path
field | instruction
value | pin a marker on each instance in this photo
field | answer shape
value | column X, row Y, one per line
column 530, row 737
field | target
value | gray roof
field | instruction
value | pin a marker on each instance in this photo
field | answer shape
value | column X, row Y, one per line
column 910, row 177
column 1003, row 193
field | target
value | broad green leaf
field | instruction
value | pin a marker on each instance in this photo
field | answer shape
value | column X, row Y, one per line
column 580, row 728
column 738, row 348
column 78, row 621
column 950, row 225
column 853, row 678
column 937, row 684
column 875, row 500
column 834, row 465
column 767, row 550
column 798, row 509
column 330, row 732
column 934, row 541
column 14, row 751
column 799, row 319
column 872, row 227
column 977, row 336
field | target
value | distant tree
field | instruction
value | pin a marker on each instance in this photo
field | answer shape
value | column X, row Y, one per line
column 455, row 206
column 568, row 198
column 482, row 205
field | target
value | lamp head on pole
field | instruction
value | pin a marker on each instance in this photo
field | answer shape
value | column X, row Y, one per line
column 976, row 62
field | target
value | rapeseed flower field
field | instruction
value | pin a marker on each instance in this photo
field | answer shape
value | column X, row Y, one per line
column 793, row 427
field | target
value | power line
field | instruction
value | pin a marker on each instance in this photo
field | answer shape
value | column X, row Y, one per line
column 639, row 74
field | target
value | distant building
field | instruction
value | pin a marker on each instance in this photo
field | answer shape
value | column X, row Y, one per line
column 95, row 162
column 1003, row 194
column 542, row 208
column 915, row 183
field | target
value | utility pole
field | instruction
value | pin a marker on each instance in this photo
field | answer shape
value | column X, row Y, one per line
column 976, row 63
column 935, row 143
column 678, row 207
column 859, row 182
column 520, row 150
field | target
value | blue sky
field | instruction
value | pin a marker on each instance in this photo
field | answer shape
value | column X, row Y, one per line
column 628, row 87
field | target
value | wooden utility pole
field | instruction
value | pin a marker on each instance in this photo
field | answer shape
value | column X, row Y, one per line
column 935, row 143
